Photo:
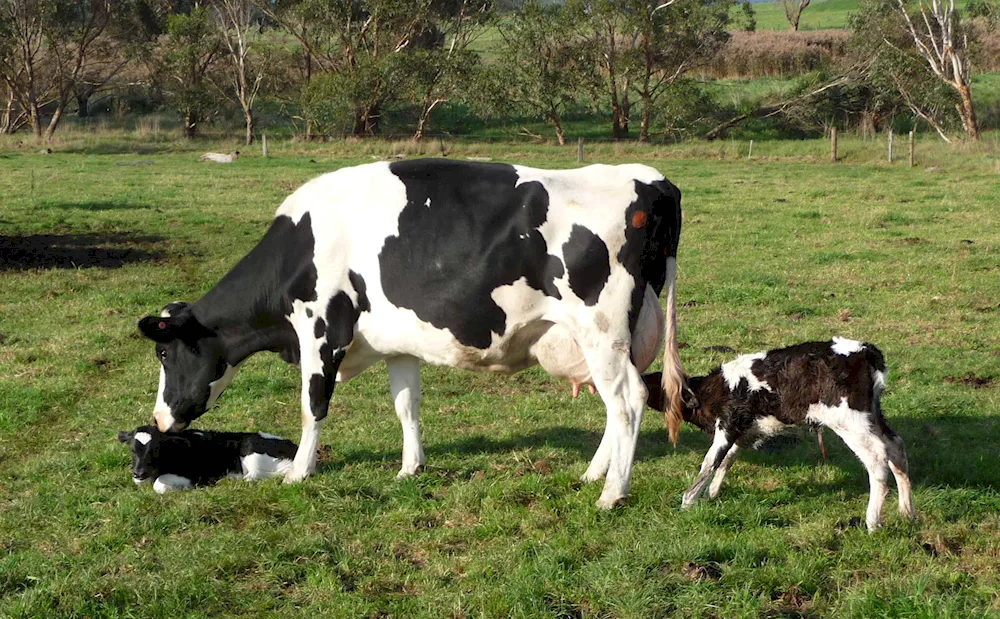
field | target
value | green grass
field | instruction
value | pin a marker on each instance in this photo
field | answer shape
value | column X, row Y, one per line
column 819, row 15
column 777, row 249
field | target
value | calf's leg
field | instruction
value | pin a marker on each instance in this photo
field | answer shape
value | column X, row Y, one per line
column 900, row 470
column 720, row 474
column 717, row 453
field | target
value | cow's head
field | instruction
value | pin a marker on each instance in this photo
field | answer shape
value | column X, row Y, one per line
column 193, row 368
column 145, row 445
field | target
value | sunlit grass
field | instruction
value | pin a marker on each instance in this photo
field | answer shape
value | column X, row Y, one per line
column 778, row 248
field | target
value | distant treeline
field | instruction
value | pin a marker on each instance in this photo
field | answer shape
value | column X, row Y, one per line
column 330, row 68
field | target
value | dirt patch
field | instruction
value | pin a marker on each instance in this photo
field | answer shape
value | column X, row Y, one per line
column 938, row 546
column 719, row 348
column 970, row 380
column 699, row 571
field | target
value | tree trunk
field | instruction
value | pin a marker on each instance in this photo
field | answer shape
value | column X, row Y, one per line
column 554, row 119
column 190, row 124
column 7, row 120
column 53, row 123
column 34, row 118
column 967, row 110
column 616, row 114
column 626, row 111
column 248, row 117
column 83, row 105
column 425, row 116
column 647, row 116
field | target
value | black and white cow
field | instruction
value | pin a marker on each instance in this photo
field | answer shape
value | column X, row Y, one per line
column 480, row 266
column 195, row 458
column 836, row 384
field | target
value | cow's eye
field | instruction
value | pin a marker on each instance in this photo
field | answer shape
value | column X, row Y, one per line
column 162, row 354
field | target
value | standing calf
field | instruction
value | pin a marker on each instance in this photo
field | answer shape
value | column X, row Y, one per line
column 837, row 384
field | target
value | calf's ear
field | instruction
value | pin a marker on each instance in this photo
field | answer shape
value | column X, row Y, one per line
column 125, row 437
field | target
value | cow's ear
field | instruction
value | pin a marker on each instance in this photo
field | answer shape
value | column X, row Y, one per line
column 125, row 437
column 160, row 328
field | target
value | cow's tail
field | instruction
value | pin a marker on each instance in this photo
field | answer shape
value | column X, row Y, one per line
column 672, row 381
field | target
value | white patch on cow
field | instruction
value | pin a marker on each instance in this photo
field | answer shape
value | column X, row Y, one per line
column 143, row 437
column 162, row 412
column 261, row 466
column 768, row 426
column 428, row 203
column 216, row 387
column 844, row 346
column 740, row 368
column 138, row 481
column 170, row 482
column 269, row 436
column 878, row 382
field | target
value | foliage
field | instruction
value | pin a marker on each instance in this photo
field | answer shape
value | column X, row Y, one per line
column 190, row 53
column 542, row 65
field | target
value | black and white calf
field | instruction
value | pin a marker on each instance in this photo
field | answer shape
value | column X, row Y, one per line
column 195, row 458
column 480, row 266
column 837, row 384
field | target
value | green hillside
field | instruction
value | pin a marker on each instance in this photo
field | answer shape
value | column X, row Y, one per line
column 820, row 15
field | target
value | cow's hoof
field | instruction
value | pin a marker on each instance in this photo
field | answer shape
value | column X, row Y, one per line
column 294, row 477
column 407, row 472
column 608, row 504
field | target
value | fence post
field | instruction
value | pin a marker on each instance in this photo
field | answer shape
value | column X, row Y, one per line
column 750, row 152
column 890, row 145
column 913, row 161
column 833, row 144
column 263, row 143
column 579, row 150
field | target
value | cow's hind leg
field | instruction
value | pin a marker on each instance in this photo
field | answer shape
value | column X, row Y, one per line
column 624, row 394
column 404, row 383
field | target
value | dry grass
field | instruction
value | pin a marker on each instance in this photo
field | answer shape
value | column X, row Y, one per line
column 770, row 53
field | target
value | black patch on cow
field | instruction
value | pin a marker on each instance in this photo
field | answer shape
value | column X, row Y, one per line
column 361, row 289
column 309, row 313
column 480, row 232
column 249, row 306
column 320, row 329
column 588, row 263
column 321, row 385
column 652, row 233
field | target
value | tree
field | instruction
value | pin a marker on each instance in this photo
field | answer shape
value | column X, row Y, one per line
column 189, row 53
column 793, row 11
column 235, row 19
column 671, row 39
column 54, row 51
column 923, row 53
column 543, row 64
column 442, row 65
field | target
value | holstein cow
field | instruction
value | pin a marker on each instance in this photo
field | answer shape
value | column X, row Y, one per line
column 480, row 266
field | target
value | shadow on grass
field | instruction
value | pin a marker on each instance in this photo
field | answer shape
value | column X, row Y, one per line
column 71, row 251
column 952, row 451
column 101, row 205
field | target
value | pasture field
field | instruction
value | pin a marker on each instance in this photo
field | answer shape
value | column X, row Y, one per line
column 777, row 249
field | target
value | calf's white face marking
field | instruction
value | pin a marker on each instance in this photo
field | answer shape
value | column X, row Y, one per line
column 739, row 369
column 143, row 437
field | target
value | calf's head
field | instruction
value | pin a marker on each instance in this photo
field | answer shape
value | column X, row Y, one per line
column 145, row 442
column 704, row 397
column 193, row 368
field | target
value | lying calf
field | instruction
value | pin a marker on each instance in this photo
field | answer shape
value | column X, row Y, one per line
column 195, row 458
column 837, row 384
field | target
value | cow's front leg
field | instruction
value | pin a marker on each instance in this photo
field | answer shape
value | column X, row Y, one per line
column 404, row 383
column 319, row 376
